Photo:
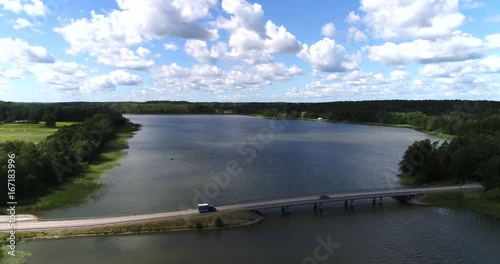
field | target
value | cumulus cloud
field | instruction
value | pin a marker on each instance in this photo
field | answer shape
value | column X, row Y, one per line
column 353, row 84
column 21, row 23
column 198, row 49
column 16, row 51
column 352, row 18
column 170, row 46
column 459, row 46
column 423, row 19
column 121, row 77
column 328, row 30
column 326, row 55
column 487, row 65
column 493, row 41
column 354, row 34
column 210, row 78
column 252, row 40
column 143, row 52
column 31, row 7
column 109, row 36
column 108, row 82
column 62, row 76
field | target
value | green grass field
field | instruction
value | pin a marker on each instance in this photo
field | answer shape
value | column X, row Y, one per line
column 28, row 132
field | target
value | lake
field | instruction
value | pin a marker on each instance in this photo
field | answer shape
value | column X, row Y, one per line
column 173, row 163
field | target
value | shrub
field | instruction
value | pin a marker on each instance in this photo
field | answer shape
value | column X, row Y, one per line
column 493, row 194
column 219, row 222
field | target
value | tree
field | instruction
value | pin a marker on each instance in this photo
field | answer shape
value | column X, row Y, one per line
column 489, row 173
column 49, row 119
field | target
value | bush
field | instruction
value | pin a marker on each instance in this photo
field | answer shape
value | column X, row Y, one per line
column 219, row 222
column 199, row 225
column 493, row 194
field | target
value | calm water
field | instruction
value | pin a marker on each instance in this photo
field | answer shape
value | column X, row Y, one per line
column 277, row 159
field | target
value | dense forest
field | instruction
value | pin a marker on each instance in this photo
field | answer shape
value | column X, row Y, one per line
column 38, row 167
column 445, row 116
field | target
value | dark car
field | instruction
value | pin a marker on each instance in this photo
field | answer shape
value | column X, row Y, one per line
column 324, row 197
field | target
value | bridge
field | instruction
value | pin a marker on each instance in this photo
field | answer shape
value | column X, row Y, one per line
column 32, row 224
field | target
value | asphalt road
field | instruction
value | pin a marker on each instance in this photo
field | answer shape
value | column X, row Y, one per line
column 32, row 224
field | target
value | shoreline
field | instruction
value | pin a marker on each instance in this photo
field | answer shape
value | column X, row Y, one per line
column 471, row 200
column 86, row 185
column 476, row 201
column 200, row 222
column 431, row 133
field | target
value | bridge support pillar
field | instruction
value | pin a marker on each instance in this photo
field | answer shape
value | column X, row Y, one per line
column 373, row 201
column 380, row 200
column 345, row 204
column 351, row 204
column 284, row 210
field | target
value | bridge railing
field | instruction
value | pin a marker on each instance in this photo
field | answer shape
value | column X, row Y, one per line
column 320, row 193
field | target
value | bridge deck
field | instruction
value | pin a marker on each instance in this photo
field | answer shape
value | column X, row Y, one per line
column 250, row 205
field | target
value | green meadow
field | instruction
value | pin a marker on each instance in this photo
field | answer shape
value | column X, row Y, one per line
column 28, row 132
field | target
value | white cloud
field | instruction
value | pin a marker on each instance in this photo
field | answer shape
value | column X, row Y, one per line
column 198, row 49
column 157, row 19
column 492, row 41
column 423, row 19
column 31, row 7
column 328, row 30
column 279, row 40
column 326, row 55
column 62, row 76
column 22, row 23
column 487, row 65
column 124, row 58
column 458, row 47
column 143, row 52
column 353, row 85
column 243, row 14
column 352, row 18
column 252, row 40
column 109, row 36
column 355, row 34
column 121, row 77
column 16, row 51
column 210, row 78
column 108, row 82
column 170, row 46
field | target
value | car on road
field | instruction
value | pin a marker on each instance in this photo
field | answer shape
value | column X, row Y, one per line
column 324, row 197
column 206, row 208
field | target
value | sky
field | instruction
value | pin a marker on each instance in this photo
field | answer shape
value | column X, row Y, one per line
column 249, row 51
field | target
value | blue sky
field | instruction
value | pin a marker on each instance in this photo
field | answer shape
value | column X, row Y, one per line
column 237, row 50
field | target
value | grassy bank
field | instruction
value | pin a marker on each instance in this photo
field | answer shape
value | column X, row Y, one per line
column 87, row 185
column 432, row 133
column 20, row 258
column 199, row 222
column 29, row 132
column 477, row 201
column 473, row 200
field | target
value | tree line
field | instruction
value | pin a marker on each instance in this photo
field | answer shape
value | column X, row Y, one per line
column 40, row 167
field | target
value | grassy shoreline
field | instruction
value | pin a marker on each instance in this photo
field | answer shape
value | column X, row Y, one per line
column 199, row 222
column 476, row 201
column 472, row 200
column 87, row 184
column 431, row 133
